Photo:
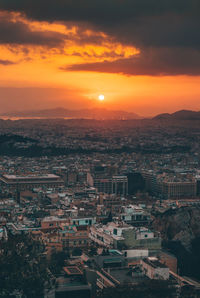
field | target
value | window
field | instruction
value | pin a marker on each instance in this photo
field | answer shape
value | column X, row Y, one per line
column 115, row 231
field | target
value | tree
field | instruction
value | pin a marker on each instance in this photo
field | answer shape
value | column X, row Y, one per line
column 57, row 261
column 23, row 267
column 77, row 251
column 93, row 251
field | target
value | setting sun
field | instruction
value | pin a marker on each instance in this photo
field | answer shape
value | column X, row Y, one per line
column 101, row 97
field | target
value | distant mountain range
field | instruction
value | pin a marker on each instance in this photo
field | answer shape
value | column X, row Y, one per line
column 98, row 114
column 179, row 115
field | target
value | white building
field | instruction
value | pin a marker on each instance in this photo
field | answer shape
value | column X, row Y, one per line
column 123, row 236
column 134, row 214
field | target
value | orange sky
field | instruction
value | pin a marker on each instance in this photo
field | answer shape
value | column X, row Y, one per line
column 38, row 75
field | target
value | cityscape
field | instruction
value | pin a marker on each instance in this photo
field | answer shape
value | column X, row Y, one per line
column 99, row 149
column 104, row 206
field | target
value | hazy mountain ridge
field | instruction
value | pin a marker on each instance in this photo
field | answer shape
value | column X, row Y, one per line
column 82, row 113
column 179, row 115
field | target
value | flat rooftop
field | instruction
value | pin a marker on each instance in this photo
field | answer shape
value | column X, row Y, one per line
column 154, row 263
column 28, row 179
column 70, row 284
column 72, row 270
column 16, row 177
column 124, row 276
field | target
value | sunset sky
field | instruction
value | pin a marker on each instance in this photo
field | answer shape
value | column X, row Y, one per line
column 142, row 55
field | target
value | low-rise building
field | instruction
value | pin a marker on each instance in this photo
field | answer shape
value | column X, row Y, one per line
column 154, row 269
column 123, row 236
column 52, row 222
column 83, row 221
column 135, row 215
column 72, row 236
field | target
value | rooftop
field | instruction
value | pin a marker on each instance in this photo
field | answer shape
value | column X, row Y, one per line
column 154, row 263
column 46, row 176
column 72, row 270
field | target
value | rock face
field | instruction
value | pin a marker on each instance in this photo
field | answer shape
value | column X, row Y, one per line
column 181, row 224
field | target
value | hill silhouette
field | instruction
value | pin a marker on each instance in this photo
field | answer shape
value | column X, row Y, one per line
column 179, row 115
column 98, row 114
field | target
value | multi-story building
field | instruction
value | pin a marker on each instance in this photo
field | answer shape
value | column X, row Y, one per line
column 198, row 184
column 112, row 185
column 173, row 185
column 72, row 177
column 65, row 237
column 135, row 182
column 111, row 202
column 154, row 269
column 15, row 182
column 134, row 215
column 120, row 185
column 103, row 185
column 72, row 284
column 178, row 189
column 121, row 235
column 52, row 222
column 150, row 181
column 83, row 221
column 72, row 236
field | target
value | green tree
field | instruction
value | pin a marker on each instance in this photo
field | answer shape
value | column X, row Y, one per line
column 77, row 251
column 57, row 261
column 23, row 267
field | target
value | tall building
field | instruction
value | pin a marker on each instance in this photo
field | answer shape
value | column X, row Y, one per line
column 178, row 189
column 198, row 184
column 120, row 185
column 135, row 183
column 72, row 177
column 103, row 185
column 150, row 179
column 116, row 185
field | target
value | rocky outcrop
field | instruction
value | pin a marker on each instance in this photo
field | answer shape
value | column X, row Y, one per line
column 182, row 224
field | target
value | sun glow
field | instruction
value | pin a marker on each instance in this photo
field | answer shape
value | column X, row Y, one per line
column 101, row 97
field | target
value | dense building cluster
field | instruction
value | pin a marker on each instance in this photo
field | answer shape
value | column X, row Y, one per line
column 96, row 210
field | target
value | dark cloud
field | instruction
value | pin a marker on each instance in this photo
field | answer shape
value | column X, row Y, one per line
column 138, row 22
column 16, row 31
column 154, row 62
column 98, row 11
column 160, row 31
column 20, row 33
column 6, row 62
column 167, row 31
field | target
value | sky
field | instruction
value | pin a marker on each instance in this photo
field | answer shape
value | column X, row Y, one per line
column 142, row 55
